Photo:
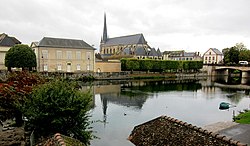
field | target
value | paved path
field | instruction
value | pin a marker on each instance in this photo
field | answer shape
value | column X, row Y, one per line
column 238, row 132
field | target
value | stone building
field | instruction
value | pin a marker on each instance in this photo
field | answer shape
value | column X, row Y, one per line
column 6, row 42
column 181, row 55
column 64, row 55
column 132, row 46
column 212, row 56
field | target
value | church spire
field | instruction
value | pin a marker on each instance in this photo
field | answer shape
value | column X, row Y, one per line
column 105, row 34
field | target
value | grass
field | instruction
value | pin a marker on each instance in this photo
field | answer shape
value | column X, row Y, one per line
column 243, row 118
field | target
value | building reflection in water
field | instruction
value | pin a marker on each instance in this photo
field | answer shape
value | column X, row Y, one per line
column 133, row 94
column 234, row 91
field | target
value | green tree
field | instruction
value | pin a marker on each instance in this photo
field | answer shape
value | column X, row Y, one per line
column 244, row 55
column 59, row 106
column 240, row 46
column 132, row 64
column 231, row 55
column 20, row 56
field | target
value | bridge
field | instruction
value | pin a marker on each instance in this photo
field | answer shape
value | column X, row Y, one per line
column 229, row 71
column 240, row 68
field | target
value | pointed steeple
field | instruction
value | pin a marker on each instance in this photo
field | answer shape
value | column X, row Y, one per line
column 105, row 33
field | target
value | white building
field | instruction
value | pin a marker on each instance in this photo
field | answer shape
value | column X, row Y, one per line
column 212, row 56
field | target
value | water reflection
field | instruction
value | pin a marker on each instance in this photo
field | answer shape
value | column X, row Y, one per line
column 123, row 104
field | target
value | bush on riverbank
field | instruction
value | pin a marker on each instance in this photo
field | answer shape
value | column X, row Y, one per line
column 59, row 106
column 243, row 118
column 13, row 93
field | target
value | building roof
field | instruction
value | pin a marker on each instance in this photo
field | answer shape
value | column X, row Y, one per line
column 8, row 41
column 159, row 52
column 169, row 131
column 126, row 40
column 216, row 51
column 189, row 54
column 63, row 43
column 140, row 51
column 153, row 52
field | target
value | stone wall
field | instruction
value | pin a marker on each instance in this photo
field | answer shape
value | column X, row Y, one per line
column 113, row 66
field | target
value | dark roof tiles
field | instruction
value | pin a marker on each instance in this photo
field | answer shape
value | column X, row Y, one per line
column 140, row 51
column 8, row 41
column 216, row 51
column 127, row 40
column 63, row 43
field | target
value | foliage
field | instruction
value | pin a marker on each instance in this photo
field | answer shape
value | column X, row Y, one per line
column 160, row 65
column 244, row 55
column 20, row 56
column 18, row 86
column 243, row 118
column 59, row 106
column 236, row 53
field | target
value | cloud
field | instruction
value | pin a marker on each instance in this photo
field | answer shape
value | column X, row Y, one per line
column 168, row 24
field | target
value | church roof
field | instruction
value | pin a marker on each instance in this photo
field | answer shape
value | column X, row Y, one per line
column 6, row 40
column 153, row 52
column 159, row 52
column 63, row 43
column 126, row 40
column 140, row 51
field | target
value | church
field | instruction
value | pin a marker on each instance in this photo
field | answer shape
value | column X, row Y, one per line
column 130, row 46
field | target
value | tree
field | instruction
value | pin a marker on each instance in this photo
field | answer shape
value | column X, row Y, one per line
column 59, row 106
column 231, row 55
column 240, row 47
column 234, row 54
column 244, row 55
column 20, row 56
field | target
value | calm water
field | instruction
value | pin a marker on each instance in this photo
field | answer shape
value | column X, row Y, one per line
column 123, row 105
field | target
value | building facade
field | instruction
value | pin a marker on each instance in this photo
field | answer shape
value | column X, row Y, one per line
column 181, row 55
column 63, row 55
column 212, row 56
column 6, row 42
column 133, row 46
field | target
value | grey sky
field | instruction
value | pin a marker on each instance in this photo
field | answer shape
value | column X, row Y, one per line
column 192, row 25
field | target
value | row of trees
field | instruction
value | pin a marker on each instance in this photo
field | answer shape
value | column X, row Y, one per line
column 236, row 53
column 160, row 65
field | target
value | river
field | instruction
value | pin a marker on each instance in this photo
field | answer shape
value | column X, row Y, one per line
column 121, row 105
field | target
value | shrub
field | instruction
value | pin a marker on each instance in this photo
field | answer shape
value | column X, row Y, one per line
column 59, row 106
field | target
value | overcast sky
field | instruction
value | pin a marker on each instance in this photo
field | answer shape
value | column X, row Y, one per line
column 192, row 25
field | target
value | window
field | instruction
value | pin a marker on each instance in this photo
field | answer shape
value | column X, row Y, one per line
column 78, row 67
column 45, row 54
column 59, row 67
column 69, row 54
column 78, row 55
column 209, row 53
column 59, row 54
column 88, row 67
column 213, row 57
column 209, row 58
column 45, row 67
column 88, row 55
column 205, row 58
